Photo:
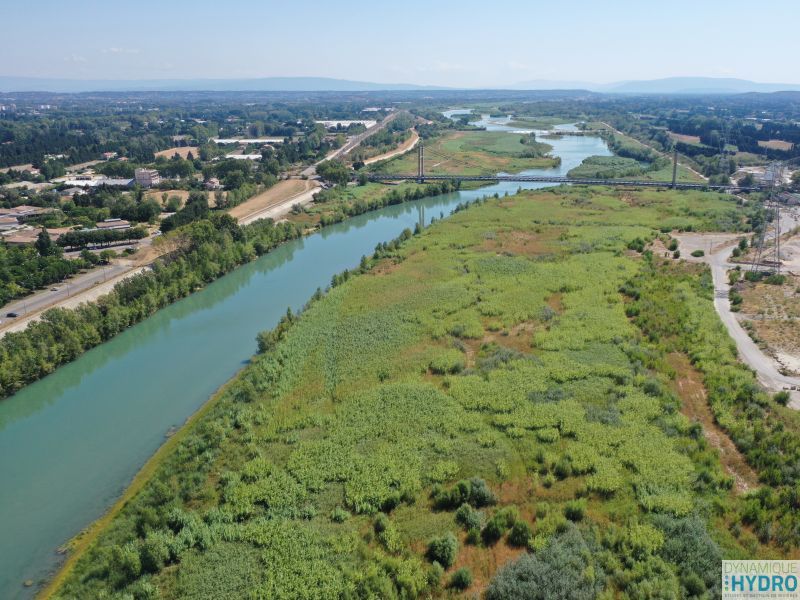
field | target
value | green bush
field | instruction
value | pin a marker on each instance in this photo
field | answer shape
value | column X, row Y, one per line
column 474, row 492
column 575, row 510
column 520, row 534
column 339, row 515
column 443, row 550
column 154, row 552
column 468, row 517
column 698, row 253
column 782, row 397
column 435, row 574
column 562, row 570
column 499, row 523
column 461, row 579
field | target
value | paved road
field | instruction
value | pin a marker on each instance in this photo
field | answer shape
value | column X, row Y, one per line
column 66, row 289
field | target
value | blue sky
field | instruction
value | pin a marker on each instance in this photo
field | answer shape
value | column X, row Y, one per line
column 412, row 41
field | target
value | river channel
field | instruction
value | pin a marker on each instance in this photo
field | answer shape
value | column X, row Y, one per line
column 71, row 442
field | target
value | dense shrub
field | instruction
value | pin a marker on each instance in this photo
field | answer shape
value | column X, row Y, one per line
column 461, row 579
column 562, row 570
column 474, row 492
column 468, row 517
column 499, row 523
column 520, row 534
column 443, row 550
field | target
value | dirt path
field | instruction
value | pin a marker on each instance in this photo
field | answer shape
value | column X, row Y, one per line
column 402, row 149
column 689, row 387
column 287, row 191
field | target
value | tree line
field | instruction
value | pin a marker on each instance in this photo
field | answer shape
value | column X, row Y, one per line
column 205, row 250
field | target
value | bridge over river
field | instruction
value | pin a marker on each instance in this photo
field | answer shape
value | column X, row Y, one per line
column 421, row 177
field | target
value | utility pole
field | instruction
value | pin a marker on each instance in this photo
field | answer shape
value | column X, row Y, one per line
column 674, row 166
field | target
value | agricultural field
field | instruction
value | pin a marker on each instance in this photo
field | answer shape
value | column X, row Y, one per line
column 686, row 139
column 182, row 151
column 475, row 153
column 776, row 145
column 499, row 404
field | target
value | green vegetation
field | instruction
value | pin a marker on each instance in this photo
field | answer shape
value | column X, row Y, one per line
column 338, row 203
column 607, row 167
column 475, row 153
column 100, row 237
column 349, row 460
column 536, row 122
column 25, row 269
column 200, row 252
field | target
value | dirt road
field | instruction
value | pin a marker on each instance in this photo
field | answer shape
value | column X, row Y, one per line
column 718, row 248
column 277, row 201
column 402, row 149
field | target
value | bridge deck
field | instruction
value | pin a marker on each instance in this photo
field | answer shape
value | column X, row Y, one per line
column 570, row 180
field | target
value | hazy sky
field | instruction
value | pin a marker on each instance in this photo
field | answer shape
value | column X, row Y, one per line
column 411, row 41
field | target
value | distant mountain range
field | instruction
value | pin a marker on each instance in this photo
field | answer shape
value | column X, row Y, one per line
column 262, row 84
column 670, row 85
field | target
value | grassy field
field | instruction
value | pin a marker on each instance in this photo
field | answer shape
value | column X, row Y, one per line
column 607, row 167
column 474, row 153
column 506, row 388
column 536, row 122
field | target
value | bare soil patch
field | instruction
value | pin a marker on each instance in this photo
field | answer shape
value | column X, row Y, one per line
column 689, row 386
column 275, row 195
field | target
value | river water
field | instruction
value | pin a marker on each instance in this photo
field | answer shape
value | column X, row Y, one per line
column 71, row 442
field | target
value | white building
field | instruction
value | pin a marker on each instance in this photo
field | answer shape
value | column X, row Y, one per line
column 147, row 178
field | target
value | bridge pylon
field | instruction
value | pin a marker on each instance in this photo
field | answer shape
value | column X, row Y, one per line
column 674, row 167
column 420, row 163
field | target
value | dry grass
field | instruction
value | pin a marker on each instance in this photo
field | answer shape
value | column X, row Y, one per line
column 157, row 195
column 776, row 145
column 773, row 312
column 278, row 193
column 686, row 139
column 182, row 151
